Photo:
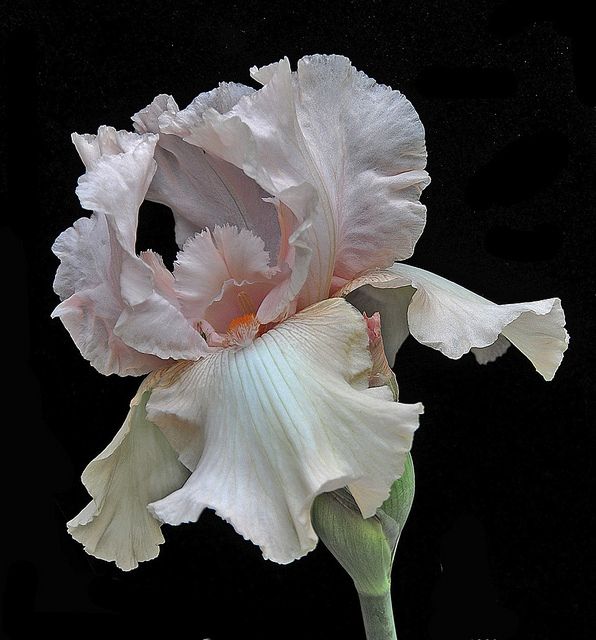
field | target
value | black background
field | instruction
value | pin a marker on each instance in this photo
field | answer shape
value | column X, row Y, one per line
column 500, row 540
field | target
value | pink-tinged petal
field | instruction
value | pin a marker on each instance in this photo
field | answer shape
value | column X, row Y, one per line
column 116, row 181
column 203, row 190
column 452, row 319
column 107, row 142
column 213, row 263
column 360, row 147
column 112, row 299
column 279, row 422
column 235, row 300
column 381, row 374
column 294, row 257
column 393, row 310
column 87, row 281
column 367, row 143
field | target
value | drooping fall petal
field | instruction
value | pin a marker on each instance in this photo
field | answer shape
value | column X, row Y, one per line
column 454, row 320
column 280, row 421
column 136, row 468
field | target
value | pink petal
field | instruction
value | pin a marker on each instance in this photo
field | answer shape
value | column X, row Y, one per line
column 223, row 274
column 203, row 190
column 358, row 145
column 112, row 299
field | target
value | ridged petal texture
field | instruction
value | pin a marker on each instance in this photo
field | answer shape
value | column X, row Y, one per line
column 279, row 422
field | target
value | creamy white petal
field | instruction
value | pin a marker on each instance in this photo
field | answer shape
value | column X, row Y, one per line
column 281, row 421
column 484, row 355
column 358, row 144
column 203, row 190
column 452, row 319
column 540, row 335
column 136, row 468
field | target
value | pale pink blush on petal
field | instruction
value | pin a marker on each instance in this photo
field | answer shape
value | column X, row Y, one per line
column 360, row 147
column 213, row 262
column 201, row 189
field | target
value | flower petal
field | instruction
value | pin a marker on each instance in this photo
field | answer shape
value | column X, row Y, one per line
column 111, row 297
column 209, row 260
column 203, row 190
column 484, row 355
column 359, row 145
column 117, row 179
column 283, row 420
column 392, row 305
column 136, row 468
column 87, row 281
column 447, row 317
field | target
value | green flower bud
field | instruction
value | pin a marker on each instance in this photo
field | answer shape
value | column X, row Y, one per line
column 365, row 548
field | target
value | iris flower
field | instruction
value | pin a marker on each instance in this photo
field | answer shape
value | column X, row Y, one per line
column 265, row 386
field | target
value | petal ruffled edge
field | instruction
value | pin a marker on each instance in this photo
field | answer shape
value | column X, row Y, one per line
column 281, row 421
column 136, row 468
column 454, row 320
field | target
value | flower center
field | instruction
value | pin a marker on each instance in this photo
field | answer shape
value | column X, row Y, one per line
column 243, row 329
column 241, row 321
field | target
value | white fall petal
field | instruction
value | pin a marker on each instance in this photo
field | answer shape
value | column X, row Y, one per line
column 138, row 467
column 281, row 421
column 454, row 320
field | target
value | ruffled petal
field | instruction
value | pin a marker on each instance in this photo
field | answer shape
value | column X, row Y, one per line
column 87, row 281
column 359, row 145
column 203, row 190
column 484, row 355
column 120, row 168
column 222, row 274
column 447, row 317
column 281, row 421
column 112, row 299
column 136, row 468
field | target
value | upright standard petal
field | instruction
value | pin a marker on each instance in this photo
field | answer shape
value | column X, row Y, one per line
column 114, row 303
column 360, row 147
column 138, row 467
column 452, row 319
column 280, row 421
column 203, row 190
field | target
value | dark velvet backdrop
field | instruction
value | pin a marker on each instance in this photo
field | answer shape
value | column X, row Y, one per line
column 500, row 537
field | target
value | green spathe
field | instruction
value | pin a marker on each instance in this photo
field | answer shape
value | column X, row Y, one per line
column 365, row 548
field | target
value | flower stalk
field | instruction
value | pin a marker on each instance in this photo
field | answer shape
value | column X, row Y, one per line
column 377, row 615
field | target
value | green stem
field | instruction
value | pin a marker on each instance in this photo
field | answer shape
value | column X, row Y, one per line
column 377, row 614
